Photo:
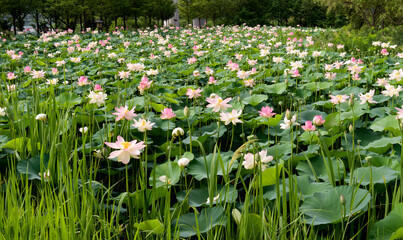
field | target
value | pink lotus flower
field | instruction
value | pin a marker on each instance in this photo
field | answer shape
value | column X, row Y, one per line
column 354, row 69
column 233, row 66
column 193, row 93
column 211, row 80
column 318, row 121
column 135, row 67
column 338, row 99
column 384, row 52
column 367, row 97
column 124, row 112
column 123, row 74
column 231, row 117
column 249, row 82
column 217, row 103
column 191, row 60
column 295, row 73
column 11, row 76
column 330, row 76
column 82, row 81
column 308, row 126
column 391, row 90
column 356, row 77
column 196, row 73
column 209, row 71
column 97, row 87
column 143, row 125
column 253, row 160
column 267, row 112
column 55, row 71
column 167, row 113
column 399, row 113
column 27, row 69
column 126, row 149
column 144, row 84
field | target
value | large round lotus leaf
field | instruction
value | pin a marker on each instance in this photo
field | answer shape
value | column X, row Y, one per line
column 32, row 167
column 382, row 145
column 192, row 223
column 389, row 123
column 255, row 99
column 270, row 175
column 198, row 197
column 391, row 227
column 277, row 88
column 170, row 170
column 310, row 114
column 326, row 207
column 307, row 187
column 68, row 99
column 381, row 175
column 150, row 226
column 197, row 167
column 319, row 168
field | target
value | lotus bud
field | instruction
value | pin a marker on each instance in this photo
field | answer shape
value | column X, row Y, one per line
column 236, row 215
column 178, row 132
column 41, row 117
column 342, row 200
column 288, row 114
column 295, row 104
column 242, row 135
column 351, row 100
column 359, row 142
column 183, row 162
column 280, row 103
column 368, row 158
column 186, row 111
column 351, row 128
column 45, row 175
column 83, row 130
column 97, row 153
column 250, row 137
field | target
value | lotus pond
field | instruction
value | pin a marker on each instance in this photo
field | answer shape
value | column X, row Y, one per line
column 219, row 133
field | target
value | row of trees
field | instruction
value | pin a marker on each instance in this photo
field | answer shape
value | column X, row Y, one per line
column 80, row 14
column 373, row 13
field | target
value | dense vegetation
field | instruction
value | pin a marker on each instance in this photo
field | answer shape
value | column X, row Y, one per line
column 221, row 133
column 78, row 14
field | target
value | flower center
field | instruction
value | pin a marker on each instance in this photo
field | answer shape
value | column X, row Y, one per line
column 125, row 145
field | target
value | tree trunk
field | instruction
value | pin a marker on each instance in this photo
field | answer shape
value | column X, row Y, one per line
column 15, row 27
column 37, row 22
column 85, row 20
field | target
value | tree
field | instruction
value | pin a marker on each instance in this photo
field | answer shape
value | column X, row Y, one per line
column 18, row 9
column 187, row 9
column 371, row 11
